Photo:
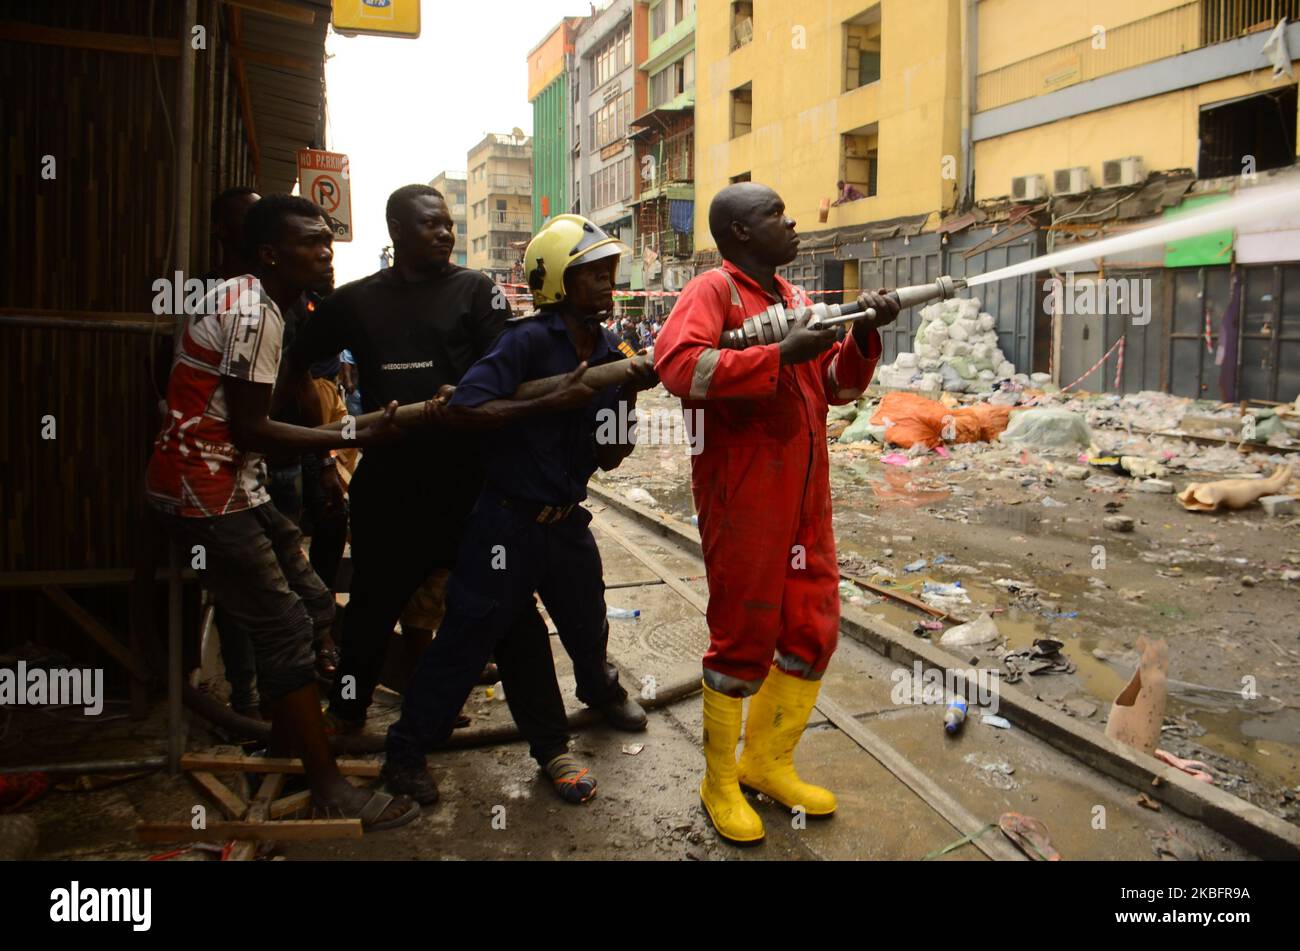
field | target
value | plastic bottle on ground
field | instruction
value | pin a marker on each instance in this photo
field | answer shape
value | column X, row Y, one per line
column 955, row 715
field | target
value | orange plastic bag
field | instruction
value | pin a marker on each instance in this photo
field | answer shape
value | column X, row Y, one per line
column 911, row 420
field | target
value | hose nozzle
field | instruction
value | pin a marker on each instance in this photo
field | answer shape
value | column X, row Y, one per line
column 773, row 324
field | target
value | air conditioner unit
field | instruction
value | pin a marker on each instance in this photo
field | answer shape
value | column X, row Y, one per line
column 1071, row 181
column 1124, row 171
column 1028, row 188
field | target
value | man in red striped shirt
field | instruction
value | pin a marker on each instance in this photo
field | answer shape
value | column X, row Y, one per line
column 207, row 478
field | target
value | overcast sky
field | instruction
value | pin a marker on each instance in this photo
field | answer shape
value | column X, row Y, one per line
column 405, row 110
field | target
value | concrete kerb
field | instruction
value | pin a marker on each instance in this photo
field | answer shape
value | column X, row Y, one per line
column 1259, row 831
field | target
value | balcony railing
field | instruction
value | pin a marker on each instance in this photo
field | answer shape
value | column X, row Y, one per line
column 1155, row 37
column 510, row 184
column 505, row 220
column 1227, row 19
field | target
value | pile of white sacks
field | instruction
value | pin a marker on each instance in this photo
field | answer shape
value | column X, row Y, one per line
column 956, row 349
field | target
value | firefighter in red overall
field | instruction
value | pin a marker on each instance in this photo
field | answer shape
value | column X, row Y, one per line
column 762, row 490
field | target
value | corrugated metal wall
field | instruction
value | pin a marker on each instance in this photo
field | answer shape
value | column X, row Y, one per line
column 922, row 259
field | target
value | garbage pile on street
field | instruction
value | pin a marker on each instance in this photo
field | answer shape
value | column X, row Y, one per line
column 955, row 350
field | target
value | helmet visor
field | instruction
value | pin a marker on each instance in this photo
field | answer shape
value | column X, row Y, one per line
column 595, row 252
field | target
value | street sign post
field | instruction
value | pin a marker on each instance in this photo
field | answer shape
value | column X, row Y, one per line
column 323, row 177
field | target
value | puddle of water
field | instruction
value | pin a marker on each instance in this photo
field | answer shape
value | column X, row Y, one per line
column 1265, row 741
column 1268, row 742
column 906, row 487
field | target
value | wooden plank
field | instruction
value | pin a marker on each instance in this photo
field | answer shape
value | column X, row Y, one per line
column 18, row 32
column 220, row 793
column 900, row 596
column 97, row 632
column 952, row 812
column 292, row 830
column 288, row 805
column 231, row 763
column 258, row 811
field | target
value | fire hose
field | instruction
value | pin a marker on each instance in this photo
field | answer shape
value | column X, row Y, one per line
column 770, row 326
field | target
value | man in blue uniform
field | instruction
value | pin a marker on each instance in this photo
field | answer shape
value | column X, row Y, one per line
column 528, row 533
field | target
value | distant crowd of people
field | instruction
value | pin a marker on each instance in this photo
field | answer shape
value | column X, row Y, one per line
column 639, row 333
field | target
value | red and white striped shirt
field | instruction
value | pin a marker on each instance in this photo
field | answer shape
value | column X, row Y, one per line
column 195, row 470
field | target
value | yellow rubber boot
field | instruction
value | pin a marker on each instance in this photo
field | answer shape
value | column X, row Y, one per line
column 732, row 815
column 778, row 714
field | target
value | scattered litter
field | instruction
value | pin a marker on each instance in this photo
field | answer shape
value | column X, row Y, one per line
column 631, row 749
column 640, row 495
column 1146, row 802
column 994, row 772
column 1232, row 493
column 1118, row 523
column 862, row 429
column 1156, row 485
column 917, row 565
column 955, row 349
column 955, row 715
column 1044, row 657
column 1051, row 503
column 930, row 625
column 982, row 630
column 1002, row 723
column 1141, row 468
column 913, row 420
column 1047, row 428
column 1192, row 767
column 1138, row 711
column 1278, row 505
column 1029, row 835
column 944, row 596
column 1080, row 708
column 622, row 613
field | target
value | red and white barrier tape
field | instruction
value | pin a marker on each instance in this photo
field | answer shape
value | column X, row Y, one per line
column 1119, row 345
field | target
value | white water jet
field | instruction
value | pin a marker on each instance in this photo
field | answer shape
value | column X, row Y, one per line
column 1264, row 202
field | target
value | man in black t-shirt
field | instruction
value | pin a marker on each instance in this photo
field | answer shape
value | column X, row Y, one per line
column 411, row 328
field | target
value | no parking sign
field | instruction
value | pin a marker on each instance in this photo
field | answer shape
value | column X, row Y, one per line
column 323, row 177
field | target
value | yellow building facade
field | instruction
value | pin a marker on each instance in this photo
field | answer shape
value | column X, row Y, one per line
column 781, row 101
column 1120, row 58
column 799, row 96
